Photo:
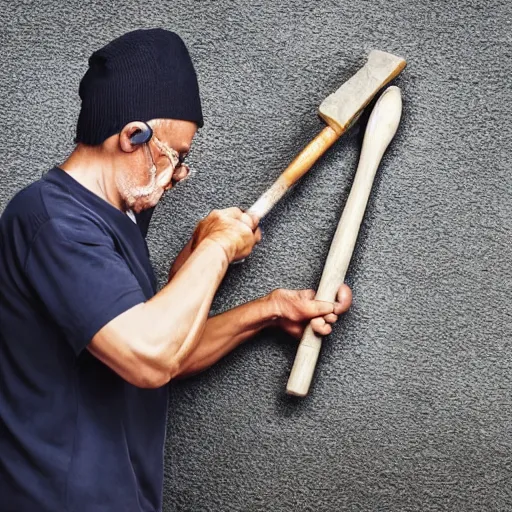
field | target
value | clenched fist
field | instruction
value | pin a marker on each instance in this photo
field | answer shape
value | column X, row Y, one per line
column 235, row 231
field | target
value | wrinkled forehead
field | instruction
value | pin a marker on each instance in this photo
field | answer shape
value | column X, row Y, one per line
column 162, row 126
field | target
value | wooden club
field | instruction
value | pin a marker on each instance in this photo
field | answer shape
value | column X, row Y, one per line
column 381, row 128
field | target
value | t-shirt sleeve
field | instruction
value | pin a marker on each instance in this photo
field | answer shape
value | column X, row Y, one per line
column 81, row 280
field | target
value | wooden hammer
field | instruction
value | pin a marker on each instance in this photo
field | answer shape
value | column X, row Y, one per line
column 380, row 130
column 339, row 110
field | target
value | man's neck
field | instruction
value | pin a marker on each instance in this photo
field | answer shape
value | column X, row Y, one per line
column 95, row 171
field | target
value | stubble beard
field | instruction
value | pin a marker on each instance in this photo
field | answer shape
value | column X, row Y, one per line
column 137, row 197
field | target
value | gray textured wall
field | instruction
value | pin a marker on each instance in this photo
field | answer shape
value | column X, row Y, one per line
column 411, row 407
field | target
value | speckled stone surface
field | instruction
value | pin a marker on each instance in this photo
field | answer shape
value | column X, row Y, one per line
column 411, row 405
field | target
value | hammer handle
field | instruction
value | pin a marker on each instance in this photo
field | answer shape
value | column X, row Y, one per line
column 380, row 130
column 299, row 166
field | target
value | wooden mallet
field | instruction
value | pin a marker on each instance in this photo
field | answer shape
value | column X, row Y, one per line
column 339, row 110
column 380, row 130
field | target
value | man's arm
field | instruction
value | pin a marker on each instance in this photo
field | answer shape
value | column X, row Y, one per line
column 182, row 257
column 147, row 344
column 288, row 309
column 226, row 331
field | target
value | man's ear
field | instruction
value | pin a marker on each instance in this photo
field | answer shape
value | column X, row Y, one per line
column 128, row 132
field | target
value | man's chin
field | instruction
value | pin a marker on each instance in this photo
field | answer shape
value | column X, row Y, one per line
column 145, row 203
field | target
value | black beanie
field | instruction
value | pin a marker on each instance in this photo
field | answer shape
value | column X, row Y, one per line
column 142, row 75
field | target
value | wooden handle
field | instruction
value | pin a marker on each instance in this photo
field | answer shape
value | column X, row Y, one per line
column 380, row 130
column 300, row 166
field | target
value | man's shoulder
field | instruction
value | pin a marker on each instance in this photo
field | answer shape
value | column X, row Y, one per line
column 43, row 203
column 27, row 205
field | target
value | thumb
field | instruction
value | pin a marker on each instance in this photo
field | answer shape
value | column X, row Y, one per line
column 255, row 219
column 251, row 221
column 314, row 308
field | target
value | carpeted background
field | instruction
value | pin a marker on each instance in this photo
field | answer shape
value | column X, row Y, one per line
column 411, row 407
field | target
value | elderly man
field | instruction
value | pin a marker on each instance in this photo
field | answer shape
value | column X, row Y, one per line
column 87, row 345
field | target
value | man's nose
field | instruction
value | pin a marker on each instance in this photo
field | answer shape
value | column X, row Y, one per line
column 180, row 173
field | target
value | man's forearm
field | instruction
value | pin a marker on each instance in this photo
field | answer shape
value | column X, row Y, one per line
column 161, row 333
column 181, row 259
column 226, row 331
column 148, row 344
column 180, row 310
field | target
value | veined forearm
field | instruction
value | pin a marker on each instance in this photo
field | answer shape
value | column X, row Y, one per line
column 148, row 344
column 181, row 259
column 226, row 331
column 171, row 323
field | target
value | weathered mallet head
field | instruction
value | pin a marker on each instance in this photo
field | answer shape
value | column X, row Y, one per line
column 341, row 108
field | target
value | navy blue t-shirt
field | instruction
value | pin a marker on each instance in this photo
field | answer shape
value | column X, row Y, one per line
column 73, row 434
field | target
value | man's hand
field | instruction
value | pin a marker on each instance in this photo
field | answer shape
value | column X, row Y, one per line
column 297, row 307
column 235, row 231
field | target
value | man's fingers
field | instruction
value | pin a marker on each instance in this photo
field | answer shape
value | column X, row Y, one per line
column 321, row 313
column 296, row 331
column 257, row 234
column 331, row 318
column 236, row 213
column 320, row 326
column 317, row 324
column 249, row 220
column 231, row 212
column 344, row 300
column 254, row 217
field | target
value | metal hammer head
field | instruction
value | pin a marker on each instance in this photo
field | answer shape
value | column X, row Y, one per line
column 340, row 109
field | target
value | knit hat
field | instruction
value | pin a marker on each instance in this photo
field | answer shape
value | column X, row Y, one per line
column 142, row 75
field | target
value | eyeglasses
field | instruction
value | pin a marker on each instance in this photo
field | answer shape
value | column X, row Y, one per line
column 176, row 159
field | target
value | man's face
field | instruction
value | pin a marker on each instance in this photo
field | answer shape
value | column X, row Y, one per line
column 144, row 184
